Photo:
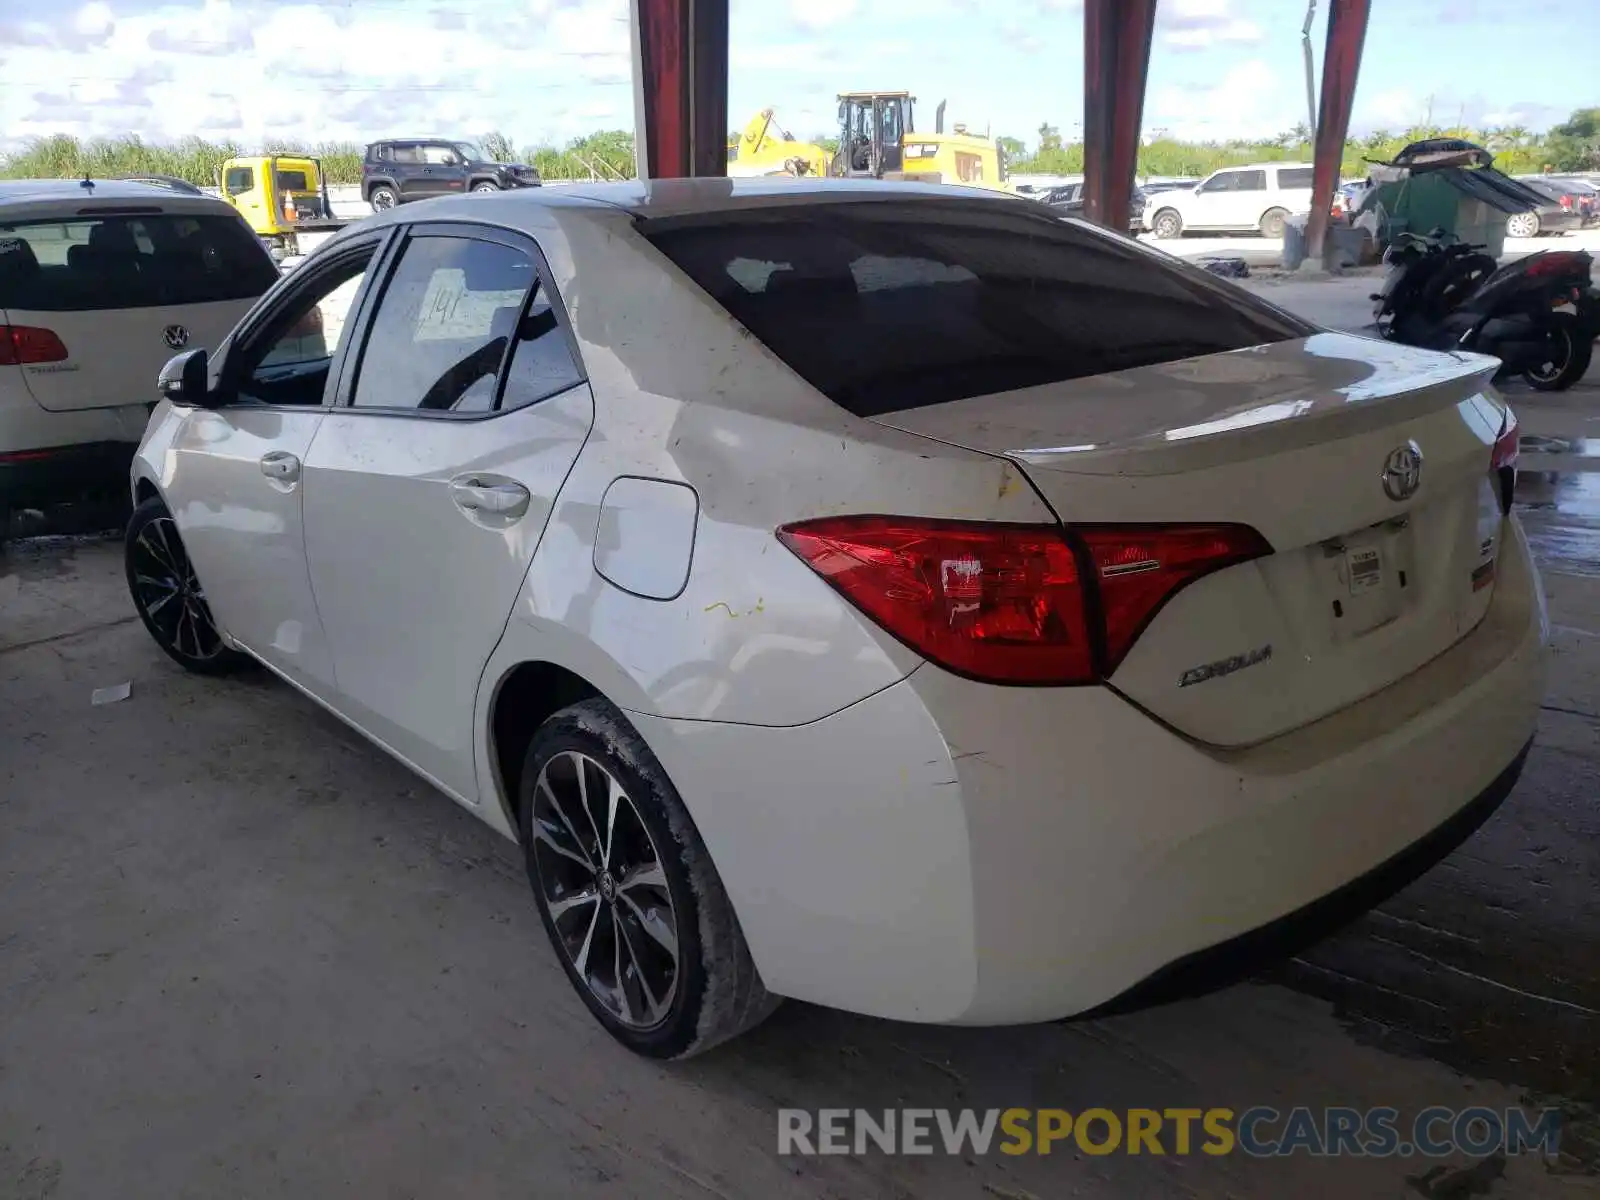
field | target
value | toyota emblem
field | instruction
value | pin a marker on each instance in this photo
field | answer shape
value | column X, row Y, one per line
column 177, row 336
column 1402, row 472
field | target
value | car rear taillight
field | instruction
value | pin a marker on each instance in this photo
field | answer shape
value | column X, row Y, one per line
column 1138, row 569
column 21, row 345
column 1014, row 604
column 1503, row 459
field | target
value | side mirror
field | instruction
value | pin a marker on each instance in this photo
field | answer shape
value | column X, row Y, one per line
column 184, row 380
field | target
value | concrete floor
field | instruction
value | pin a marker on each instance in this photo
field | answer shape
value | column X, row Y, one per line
column 244, row 954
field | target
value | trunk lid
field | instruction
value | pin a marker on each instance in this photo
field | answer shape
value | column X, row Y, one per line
column 113, row 358
column 124, row 288
column 1365, row 585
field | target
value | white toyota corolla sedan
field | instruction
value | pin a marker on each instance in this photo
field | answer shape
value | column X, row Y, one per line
column 892, row 597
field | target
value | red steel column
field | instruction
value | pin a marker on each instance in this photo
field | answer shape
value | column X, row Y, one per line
column 1341, row 62
column 680, row 87
column 1116, row 63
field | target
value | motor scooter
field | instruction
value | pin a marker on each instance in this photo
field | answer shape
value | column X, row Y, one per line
column 1539, row 315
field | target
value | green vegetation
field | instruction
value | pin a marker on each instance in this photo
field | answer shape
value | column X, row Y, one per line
column 1573, row 146
column 608, row 154
column 604, row 155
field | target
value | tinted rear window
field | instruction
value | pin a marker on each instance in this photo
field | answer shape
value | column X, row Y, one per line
column 143, row 261
column 885, row 306
column 1291, row 178
column 293, row 181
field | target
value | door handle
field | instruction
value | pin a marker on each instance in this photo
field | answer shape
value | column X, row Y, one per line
column 493, row 499
column 280, row 465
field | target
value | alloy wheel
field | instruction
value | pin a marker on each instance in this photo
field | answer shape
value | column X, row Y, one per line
column 602, row 883
column 168, row 592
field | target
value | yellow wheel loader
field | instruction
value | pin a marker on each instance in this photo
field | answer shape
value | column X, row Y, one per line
column 877, row 140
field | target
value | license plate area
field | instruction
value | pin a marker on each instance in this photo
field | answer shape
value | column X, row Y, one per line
column 1368, row 579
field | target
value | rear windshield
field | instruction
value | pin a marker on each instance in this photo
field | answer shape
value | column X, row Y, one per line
column 143, row 261
column 891, row 305
column 293, row 181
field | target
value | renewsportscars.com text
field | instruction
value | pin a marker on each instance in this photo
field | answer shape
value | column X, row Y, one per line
column 1260, row 1132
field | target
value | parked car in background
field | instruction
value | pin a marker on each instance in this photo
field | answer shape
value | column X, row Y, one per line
column 1235, row 200
column 397, row 171
column 100, row 283
column 1558, row 215
column 1069, row 199
column 885, row 595
column 1585, row 198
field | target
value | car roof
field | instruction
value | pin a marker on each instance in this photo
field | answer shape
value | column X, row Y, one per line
column 684, row 197
column 36, row 197
column 1261, row 166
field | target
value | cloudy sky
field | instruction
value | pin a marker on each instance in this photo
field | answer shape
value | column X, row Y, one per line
column 547, row 70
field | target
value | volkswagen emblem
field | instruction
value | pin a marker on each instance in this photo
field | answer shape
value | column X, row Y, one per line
column 1402, row 472
column 177, row 336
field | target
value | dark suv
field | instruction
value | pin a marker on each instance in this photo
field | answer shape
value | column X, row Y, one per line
column 403, row 169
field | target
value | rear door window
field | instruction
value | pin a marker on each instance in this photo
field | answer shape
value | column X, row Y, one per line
column 90, row 263
column 887, row 305
column 1294, row 179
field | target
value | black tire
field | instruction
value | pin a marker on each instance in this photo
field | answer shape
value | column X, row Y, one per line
column 1570, row 362
column 1167, row 224
column 715, row 992
column 486, row 185
column 383, row 198
column 1272, row 223
column 167, row 594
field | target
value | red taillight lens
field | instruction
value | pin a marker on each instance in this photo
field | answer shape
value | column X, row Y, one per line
column 23, row 344
column 1140, row 569
column 1503, row 460
column 1001, row 603
column 1008, row 603
column 1507, row 444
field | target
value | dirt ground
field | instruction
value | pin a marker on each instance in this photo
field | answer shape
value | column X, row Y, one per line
column 244, row 954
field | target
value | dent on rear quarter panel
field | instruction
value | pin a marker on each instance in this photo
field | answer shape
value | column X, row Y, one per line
column 685, row 395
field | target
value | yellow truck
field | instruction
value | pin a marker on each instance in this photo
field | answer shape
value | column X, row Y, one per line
column 284, row 199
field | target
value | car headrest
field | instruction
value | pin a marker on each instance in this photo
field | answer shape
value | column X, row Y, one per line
column 17, row 259
column 19, row 271
column 112, row 237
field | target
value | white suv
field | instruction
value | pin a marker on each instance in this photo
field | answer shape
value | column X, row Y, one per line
column 1234, row 200
column 100, row 283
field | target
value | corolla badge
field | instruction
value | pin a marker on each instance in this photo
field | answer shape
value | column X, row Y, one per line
column 1402, row 472
column 1225, row 666
column 176, row 336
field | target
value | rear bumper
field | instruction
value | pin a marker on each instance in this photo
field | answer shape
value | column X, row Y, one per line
column 56, row 474
column 950, row 852
column 1231, row 961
